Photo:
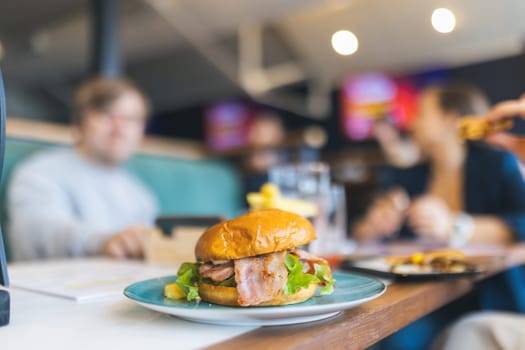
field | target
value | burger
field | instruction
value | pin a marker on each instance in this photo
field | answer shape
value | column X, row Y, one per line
column 254, row 260
column 477, row 128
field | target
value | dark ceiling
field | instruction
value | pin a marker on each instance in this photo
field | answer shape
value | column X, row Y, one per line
column 175, row 77
column 47, row 49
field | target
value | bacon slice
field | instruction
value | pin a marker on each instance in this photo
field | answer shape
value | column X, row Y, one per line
column 217, row 273
column 308, row 260
column 260, row 278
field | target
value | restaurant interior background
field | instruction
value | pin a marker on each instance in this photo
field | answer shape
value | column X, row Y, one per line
column 201, row 61
column 237, row 87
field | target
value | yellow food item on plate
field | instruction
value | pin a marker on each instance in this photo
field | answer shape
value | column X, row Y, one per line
column 173, row 291
column 417, row 258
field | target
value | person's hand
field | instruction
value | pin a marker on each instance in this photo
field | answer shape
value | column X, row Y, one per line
column 126, row 244
column 430, row 216
column 385, row 133
column 385, row 216
column 504, row 140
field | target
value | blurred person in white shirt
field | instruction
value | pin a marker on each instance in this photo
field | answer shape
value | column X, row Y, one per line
column 80, row 201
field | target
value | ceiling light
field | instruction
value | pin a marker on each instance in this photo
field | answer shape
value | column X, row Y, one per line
column 344, row 42
column 443, row 20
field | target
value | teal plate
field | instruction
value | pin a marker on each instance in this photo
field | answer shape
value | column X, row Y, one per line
column 351, row 290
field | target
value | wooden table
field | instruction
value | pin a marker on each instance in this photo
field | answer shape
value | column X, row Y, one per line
column 49, row 322
column 365, row 325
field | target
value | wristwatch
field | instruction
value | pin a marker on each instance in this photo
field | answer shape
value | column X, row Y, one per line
column 463, row 230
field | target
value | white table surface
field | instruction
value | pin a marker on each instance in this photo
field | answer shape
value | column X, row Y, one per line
column 47, row 322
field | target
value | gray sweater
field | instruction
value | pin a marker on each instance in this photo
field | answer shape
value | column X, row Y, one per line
column 62, row 204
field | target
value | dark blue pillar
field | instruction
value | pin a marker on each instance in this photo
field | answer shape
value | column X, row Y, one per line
column 106, row 60
column 4, row 280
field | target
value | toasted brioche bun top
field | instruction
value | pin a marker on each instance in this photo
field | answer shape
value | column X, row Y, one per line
column 258, row 232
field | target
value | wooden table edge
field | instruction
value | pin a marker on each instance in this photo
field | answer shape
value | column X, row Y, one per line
column 369, row 323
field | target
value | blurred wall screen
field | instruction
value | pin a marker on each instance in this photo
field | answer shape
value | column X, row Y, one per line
column 368, row 98
column 227, row 125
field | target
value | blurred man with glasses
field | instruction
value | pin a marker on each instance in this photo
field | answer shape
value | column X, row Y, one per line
column 80, row 201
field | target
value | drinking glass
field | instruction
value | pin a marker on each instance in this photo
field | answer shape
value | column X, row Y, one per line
column 309, row 182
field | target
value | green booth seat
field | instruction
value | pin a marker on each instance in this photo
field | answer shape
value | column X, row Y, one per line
column 186, row 187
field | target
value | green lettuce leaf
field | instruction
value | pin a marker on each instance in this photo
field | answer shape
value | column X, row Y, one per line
column 322, row 272
column 230, row 282
column 188, row 277
column 296, row 277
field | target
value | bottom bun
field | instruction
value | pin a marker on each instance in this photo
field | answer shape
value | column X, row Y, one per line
column 229, row 295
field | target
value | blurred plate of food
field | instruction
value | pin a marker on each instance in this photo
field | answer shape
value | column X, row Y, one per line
column 432, row 264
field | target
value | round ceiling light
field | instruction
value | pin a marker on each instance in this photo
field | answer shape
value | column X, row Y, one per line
column 345, row 42
column 443, row 20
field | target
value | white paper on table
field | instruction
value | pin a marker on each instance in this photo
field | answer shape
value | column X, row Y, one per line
column 82, row 279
